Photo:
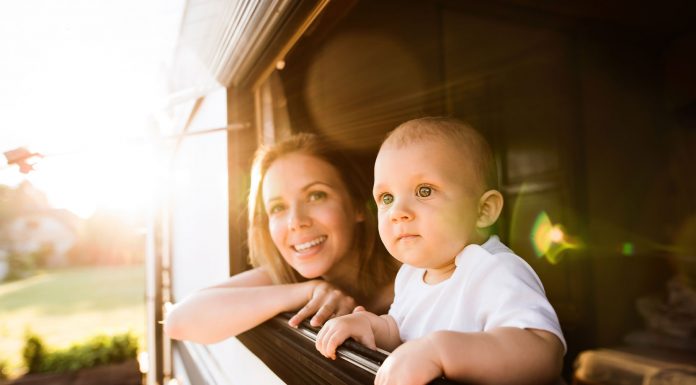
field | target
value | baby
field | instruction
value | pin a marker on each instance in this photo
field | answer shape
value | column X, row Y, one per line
column 465, row 306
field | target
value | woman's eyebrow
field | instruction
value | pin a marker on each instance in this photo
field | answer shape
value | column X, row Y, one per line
column 271, row 200
column 303, row 189
column 312, row 184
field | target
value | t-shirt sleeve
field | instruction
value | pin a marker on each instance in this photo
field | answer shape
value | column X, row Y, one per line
column 512, row 295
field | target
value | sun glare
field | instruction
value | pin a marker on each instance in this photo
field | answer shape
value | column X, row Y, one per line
column 78, row 86
column 119, row 178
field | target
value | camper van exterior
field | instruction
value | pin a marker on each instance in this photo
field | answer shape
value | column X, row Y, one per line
column 572, row 98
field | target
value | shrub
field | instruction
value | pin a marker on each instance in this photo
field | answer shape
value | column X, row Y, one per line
column 99, row 350
column 33, row 352
column 3, row 370
column 21, row 265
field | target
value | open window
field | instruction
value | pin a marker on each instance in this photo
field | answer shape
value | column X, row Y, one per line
column 586, row 107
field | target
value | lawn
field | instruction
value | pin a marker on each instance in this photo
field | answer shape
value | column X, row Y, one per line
column 70, row 305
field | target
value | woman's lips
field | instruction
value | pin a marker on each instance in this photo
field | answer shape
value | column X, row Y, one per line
column 308, row 245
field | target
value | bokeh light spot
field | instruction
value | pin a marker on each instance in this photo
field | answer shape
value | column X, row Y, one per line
column 556, row 234
column 549, row 239
column 541, row 230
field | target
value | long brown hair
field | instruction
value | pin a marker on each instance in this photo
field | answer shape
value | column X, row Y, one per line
column 375, row 266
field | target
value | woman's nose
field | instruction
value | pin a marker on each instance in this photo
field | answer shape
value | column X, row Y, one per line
column 400, row 212
column 298, row 219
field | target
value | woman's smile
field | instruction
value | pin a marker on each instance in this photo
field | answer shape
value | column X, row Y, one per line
column 309, row 245
column 309, row 213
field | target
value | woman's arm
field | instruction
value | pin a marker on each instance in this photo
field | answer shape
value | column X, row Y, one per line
column 234, row 306
column 501, row 356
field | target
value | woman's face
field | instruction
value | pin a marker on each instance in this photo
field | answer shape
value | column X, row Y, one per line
column 310, row 215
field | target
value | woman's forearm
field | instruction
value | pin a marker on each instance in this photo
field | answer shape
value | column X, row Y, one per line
column 213, row 314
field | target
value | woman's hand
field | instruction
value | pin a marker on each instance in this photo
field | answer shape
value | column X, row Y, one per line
column 325, row 302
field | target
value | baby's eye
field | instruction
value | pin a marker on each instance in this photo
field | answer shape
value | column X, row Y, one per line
column 386, row 199
column 424, row 191
column 316, row 195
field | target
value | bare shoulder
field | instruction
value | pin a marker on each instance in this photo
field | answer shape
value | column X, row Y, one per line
column 255, row 277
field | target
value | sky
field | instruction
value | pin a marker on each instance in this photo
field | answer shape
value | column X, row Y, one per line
column 79, row 81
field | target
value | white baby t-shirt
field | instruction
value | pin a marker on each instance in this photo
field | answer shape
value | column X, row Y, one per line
column 490, row 287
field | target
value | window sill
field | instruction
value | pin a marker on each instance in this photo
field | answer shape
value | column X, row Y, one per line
column 290, row 354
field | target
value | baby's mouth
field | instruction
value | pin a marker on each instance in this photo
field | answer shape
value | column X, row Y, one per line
column 300, row 247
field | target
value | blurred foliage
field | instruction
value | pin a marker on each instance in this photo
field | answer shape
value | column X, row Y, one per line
column 33, row 234
column 98, row 350
column 15, row 200
column 33, row 353
column 23, row 265
column 70, row 305
column 107, row 238
column 4, row 370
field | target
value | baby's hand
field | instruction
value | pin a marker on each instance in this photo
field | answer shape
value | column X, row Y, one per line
column 414, row 362
column 337, row 330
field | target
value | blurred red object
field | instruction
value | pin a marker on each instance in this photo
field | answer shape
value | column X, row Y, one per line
column 21, row 157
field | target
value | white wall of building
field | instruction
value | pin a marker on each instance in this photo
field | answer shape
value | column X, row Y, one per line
column 200, row 237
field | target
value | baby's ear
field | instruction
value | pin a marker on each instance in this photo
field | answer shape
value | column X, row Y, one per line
column 489, row 208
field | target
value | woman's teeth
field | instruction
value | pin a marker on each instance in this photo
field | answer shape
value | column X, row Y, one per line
column 304, row 246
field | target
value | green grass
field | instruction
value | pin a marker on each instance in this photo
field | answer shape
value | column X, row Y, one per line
column 70, row 305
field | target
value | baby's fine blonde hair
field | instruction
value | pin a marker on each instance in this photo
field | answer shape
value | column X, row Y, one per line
column 458, row 134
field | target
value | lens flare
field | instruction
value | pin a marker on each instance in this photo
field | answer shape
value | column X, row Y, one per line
column 541, row 231
column 549, row 239
column 556, row 234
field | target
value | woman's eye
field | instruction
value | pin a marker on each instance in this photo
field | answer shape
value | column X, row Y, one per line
column 386, row 199
column 275, row 209
column 424, row 191
column 316, row 195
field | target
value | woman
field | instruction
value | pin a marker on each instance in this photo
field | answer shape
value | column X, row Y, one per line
column 312, row 241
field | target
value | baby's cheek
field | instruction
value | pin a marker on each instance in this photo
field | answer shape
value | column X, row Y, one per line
column 383, row 232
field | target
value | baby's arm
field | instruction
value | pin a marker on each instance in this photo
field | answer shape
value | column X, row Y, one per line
column 502, row 356
column 367, row 328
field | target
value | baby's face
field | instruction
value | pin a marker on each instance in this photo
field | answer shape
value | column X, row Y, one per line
column 427, row 197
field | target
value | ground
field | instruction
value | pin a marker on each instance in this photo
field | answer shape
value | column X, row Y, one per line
column 70, row 305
